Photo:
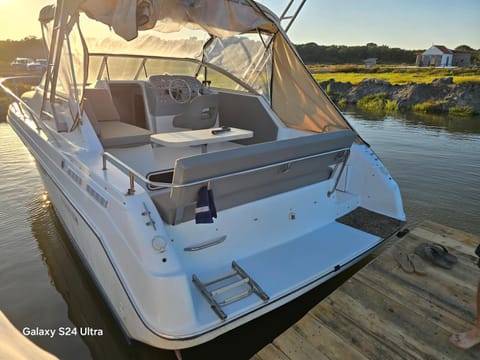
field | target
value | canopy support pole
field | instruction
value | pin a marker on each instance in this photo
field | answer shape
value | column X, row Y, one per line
column 293, row 17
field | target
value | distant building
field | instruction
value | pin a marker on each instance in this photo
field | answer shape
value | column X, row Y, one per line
column 462, row 58
column 441, row 56
column 370, row 62
column 437, row 55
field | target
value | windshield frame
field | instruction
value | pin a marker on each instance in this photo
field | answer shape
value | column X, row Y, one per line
column 104, row 67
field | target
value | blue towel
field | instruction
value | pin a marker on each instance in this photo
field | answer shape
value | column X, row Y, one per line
column 205, row 210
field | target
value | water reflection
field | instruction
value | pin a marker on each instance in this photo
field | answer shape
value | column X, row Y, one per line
column 86, row 308
column 468, row 125
column 435, row 161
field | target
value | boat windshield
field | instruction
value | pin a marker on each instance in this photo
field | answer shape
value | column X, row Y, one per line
column 137, row 67
column 238, row 62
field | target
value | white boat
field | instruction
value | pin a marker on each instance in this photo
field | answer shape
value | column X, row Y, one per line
column 202, row 175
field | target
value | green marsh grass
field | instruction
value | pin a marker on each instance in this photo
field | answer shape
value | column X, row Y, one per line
column 378, row 103
column 429, row 107
column 394, row 75
column 463, row 111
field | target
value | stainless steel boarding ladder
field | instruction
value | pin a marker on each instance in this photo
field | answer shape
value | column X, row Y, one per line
column 228, row 289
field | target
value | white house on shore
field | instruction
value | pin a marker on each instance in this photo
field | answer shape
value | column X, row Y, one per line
column 441, row 56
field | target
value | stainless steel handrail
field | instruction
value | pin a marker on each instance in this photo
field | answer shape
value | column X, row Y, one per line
column 337, row 180
column 134, row 174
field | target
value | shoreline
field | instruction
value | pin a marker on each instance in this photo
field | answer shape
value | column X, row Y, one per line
column 441, row 96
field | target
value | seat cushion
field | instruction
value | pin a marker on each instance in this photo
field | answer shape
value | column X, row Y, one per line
column 117, row 134
column 100, row 105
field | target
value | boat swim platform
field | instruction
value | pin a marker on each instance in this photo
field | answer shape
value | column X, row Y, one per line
column 383, row 312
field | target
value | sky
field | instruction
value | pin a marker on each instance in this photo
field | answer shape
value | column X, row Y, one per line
column 408, row 24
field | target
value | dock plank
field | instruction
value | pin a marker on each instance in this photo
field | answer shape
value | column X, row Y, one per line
column 397, row 323
column 352, row 332
column 437, row 286
column 458, row 236
column 373, row 316
column 325, row 340
column 409, row 296
column 447, row 236
column 270, row 352
column 383, row 312
column 296, row 346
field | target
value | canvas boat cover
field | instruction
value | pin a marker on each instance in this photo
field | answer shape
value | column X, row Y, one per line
column 219, row 17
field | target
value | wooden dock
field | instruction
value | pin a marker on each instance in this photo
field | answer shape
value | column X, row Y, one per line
column 383, row 312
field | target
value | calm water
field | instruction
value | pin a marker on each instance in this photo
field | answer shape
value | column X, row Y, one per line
column 42, row 284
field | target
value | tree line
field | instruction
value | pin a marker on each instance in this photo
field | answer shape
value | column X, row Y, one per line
column 313, row 53
column 31, row 47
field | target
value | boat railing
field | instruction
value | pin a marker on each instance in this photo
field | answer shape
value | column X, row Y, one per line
column 14, row 95
column 135, row 175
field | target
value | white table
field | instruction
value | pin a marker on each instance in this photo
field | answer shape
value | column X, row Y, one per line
column 201, row 137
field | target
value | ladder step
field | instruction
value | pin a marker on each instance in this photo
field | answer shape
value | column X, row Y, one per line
column 258, row 290
column 245, row 283
column 229, row 287
column 236, row 297
column 220, row 279
column 213, row 304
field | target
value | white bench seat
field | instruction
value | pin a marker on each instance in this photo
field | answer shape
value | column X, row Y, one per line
column 250, row 173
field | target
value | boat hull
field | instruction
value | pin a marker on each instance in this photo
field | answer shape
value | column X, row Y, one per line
column 94, row 253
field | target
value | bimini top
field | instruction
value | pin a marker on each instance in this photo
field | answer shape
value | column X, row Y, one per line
column 220, row 18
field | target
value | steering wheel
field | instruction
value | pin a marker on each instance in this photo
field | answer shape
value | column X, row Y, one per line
column 180, row 91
